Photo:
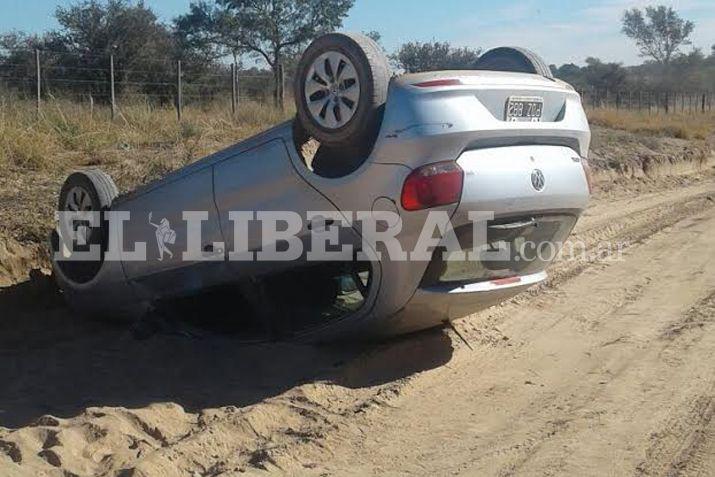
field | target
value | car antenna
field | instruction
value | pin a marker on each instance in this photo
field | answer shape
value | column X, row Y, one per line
column 461, row 336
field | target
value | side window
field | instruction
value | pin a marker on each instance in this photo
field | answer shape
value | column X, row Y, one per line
column 325, row 161
column 290, row 296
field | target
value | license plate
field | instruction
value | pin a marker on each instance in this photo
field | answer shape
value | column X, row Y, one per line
column 524, row 108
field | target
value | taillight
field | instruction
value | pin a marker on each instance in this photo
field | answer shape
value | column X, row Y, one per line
column 587, row 171
column 438, row 83
column 432, row 185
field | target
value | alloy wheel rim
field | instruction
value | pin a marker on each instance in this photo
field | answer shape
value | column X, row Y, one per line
column 332, row 90
column 78, row 200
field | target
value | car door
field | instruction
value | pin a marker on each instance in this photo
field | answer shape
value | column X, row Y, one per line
column 157, row 217
column 261, row 180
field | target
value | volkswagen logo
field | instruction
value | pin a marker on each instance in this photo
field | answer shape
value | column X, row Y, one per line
column 538, row 180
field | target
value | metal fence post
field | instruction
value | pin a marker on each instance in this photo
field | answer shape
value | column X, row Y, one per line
column 179, row 97
column 39, row 80
column 111, row 86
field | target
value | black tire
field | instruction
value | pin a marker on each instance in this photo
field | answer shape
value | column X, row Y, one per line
column 95, row 191
column 372, row 74
column 519, row 60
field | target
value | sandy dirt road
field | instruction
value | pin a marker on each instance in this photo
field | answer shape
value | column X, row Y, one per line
column 608, row 369
column 612, row 373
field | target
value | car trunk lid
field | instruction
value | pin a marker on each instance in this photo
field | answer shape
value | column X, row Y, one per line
column 436, row 116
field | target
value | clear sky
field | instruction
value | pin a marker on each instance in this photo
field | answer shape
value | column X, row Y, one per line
column 561, row 31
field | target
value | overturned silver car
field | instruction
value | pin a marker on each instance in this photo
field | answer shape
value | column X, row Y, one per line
column 428, row 199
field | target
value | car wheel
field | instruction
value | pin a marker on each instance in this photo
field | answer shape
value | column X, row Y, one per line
column 340, row 88
column 519, row 60
column 84, row 192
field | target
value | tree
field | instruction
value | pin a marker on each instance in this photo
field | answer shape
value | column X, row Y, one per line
column 76, row 56
column 571, row 73
column 596, row 74
column 131, row 32
column 661, row 35
column 209, row 31
column 600, row 75
column 269, row 29
column 414, row 57
column 92, row 30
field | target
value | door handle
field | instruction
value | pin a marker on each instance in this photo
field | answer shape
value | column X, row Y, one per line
column 327, row 222
column 209, row 249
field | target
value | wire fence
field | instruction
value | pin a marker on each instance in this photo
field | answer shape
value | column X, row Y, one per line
column 652, row 101
column 39, row 75
column 111, row 80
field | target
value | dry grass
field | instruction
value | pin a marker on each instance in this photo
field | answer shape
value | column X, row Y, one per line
column 681, row 126
column 142, row 144
column 67, row 133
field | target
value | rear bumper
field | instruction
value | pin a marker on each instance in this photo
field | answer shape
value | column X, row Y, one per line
column 432, row 306
column 498, row 191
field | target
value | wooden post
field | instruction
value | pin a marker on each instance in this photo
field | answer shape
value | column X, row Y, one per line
column 283, row 85
column 275, row 86
column 91, row 106
column 667, row 102
column 39, row 80
column 657, row 101
column 112, row 95
column 702, row 104
column 179, row 97
column 279, row 93
column 234, row 89
column 238, row 90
